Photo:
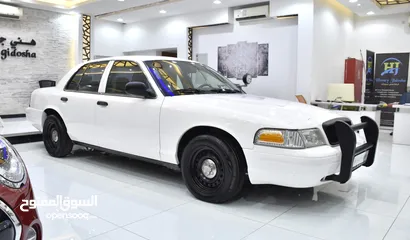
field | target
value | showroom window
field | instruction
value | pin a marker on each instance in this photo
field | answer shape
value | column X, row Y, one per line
column 122, row 73
column 88, row 78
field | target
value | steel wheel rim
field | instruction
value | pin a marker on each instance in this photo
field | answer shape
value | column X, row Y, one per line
column 50, row 131
column 207, row 170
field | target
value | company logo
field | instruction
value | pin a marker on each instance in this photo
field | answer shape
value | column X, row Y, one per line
column 391, row 66
column 65, row 208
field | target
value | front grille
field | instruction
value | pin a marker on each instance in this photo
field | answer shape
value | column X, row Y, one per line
column 7, row 230
column 330, row 130
column 10, row 227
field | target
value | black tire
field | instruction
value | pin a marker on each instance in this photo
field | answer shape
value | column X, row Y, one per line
column 223, row 185
column 60, row 146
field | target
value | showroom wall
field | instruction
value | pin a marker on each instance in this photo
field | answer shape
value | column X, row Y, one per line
column 304, row 10
column 333, row 33
column 381, row 34
column 107, row 38
column 56, row 50
column 282, row 40
column 169, row 32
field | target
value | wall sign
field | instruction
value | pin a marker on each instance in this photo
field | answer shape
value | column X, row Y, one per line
column 369, row 93
column 392, row 73
column 12, row 51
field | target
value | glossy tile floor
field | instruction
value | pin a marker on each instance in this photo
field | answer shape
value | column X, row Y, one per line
column 143, row 201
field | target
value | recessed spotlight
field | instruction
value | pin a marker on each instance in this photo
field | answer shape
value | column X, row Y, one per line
column 370, row 13
column 217, row 2
column 121, row 0
column 120, row 20
column 359, row 4
column 162, row 11
column 352, row 1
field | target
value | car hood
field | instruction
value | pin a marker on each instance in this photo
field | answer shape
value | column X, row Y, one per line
column 269, row 112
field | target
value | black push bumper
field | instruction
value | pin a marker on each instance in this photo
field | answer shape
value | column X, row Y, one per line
column 343, row 133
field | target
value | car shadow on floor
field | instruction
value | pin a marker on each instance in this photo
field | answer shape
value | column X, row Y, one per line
column 122, row 168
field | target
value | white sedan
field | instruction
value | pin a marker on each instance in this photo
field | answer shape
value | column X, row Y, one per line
column 186, row 116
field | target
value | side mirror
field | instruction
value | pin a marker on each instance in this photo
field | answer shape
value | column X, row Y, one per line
column 139, row 89
column 247, row 79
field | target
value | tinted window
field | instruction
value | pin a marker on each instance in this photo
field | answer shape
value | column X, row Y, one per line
column 88, row 78
column 75, row 80
column 122, row 73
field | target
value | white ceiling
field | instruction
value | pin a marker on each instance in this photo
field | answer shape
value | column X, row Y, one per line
column 178, row 8
column 98, row 7
column 362, row 7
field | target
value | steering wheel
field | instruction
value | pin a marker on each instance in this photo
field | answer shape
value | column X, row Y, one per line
column 205, row 85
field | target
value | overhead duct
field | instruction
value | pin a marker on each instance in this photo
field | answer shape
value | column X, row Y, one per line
column 136, row 8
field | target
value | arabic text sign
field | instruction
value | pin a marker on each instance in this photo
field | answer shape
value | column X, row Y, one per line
column 12, row 51
column 61, row 203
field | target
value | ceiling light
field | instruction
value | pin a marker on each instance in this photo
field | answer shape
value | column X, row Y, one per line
column 162, row 11
column 217, row 2
column 370, row 13
column 121, row 0
column 352, row 1
column 120, row 20
column 359, row 4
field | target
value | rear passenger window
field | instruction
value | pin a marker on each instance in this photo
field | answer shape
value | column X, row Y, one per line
column 122, row 73
column 88, row 78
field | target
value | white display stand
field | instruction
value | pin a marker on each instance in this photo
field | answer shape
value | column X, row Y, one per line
column 401, row 130
column 371, row 111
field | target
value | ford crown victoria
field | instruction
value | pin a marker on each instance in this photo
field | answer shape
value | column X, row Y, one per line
column 185, row 115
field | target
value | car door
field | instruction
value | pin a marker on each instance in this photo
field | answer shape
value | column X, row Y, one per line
column 79, row 100
column 129, row 124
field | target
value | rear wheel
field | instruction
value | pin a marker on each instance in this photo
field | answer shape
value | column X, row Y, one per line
column 55, row 137
column 212, row 169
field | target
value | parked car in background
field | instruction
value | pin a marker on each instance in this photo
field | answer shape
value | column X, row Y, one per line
column 185, row 115
column 16, row 223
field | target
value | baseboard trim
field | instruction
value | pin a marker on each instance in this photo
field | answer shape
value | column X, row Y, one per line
column 25, row 139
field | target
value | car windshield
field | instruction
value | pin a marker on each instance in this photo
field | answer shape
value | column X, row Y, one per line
column 181, row 78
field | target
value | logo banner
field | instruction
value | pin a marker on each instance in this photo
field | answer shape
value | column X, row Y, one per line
column 369, row 97
column 392, row 73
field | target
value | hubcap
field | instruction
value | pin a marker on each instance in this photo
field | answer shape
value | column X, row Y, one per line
column 54, row 135
column 209, row 169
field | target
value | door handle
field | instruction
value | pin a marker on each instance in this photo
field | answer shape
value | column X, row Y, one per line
column 64, row 99
column 102, row 103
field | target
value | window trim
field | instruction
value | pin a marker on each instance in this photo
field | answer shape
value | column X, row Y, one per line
column 87, row 64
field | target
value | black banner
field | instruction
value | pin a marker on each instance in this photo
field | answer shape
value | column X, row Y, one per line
column 392, row 72
column 369, row 95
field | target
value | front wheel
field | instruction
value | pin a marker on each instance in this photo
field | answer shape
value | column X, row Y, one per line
column 55, row 137
column 212, row 170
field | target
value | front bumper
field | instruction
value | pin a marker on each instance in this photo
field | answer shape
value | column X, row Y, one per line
column 311, row 167
column 14, row 223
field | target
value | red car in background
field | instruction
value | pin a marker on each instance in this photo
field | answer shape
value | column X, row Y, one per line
column 15, row 186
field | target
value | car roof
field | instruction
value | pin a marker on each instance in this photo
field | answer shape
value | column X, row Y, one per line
column 138, row 58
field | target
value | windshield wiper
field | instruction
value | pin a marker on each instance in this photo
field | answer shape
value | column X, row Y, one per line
column 188, row 91
column 221, row 90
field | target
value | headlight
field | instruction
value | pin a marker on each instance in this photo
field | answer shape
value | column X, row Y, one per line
column 12, row 170
column 297, row 139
